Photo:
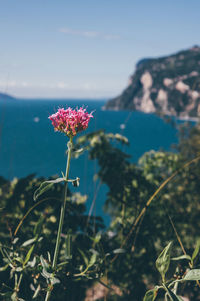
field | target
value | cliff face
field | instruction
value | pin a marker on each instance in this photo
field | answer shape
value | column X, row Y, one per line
column 168, row 85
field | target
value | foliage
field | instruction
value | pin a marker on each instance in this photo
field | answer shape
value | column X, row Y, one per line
column 170, row 287
column 20, row 252
column 124, row 255
column 173, row 213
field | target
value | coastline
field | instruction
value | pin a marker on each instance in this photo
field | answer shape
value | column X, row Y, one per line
column 162, row 115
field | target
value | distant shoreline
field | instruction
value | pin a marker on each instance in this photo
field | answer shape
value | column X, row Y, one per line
column 195, row 119
column 186, row 118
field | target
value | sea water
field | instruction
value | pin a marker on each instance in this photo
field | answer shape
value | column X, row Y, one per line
column 28, row 143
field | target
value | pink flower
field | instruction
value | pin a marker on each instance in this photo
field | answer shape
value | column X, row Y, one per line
column 70, row 121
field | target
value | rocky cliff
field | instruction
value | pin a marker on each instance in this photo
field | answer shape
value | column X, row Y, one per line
column 168, row 85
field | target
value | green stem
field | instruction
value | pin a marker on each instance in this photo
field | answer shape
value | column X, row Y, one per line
column 18, row 285
column 62, row 214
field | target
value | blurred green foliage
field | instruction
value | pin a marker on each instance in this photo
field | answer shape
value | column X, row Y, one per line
column 126, row 256
column 16, row 200
column 130, row 187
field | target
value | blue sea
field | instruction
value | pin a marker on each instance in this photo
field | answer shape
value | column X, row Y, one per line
column 28, row 143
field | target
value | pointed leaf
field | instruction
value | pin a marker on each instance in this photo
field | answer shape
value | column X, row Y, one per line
column 182, row 257
column 28, row 242
column 46, row 186
column 32, row 263
column 93, row 251
column 92, row 260
column 68, row 250
column 173, row 297
column 44, row 263
column 97, row 238
column 46, row 274
column 15, row 240
column 196, row 250
column 28, row 255
column 163, row 261
column 151, row 295
column 4, row 268
column 49, row 256
column 77, row 152
column 119, row 251
column 36, row 292
column 84, row 257
column 55, row 280
column 192, row 275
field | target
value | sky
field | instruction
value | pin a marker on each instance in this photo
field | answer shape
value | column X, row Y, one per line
column 87, row 48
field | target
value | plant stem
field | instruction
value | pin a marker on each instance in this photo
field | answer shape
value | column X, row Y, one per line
column 62, row 213
column 18, row 284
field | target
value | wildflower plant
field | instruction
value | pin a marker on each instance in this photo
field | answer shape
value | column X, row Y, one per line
column 70, row 122
column 19, row 257
column 170, row 287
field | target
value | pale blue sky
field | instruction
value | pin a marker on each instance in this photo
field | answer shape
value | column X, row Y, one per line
column 87, row 48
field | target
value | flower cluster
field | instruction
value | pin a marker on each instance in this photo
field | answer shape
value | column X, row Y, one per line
column 70, row 121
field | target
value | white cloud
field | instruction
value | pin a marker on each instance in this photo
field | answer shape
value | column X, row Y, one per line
column 89, row 34
column 63, row 89
column 62, row 85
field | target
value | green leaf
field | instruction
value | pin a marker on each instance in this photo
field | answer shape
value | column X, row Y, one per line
column 196, row 250
column 119, row 251
column 93, row 251
column 36, row 292
column 44, row 262
column 28, row 255
column 97, row 238
column 46, row 186
column 15, row 240
column 151, row 294
column 163, row 261
column 28, row 242
column 84, row 257
column 173, row 297
column 32, row 263
column 68, row 250
column 55, row 280
column 46, row 274
column 192, row 275
column 78, row 152
column 4, row 268
column 49, row 256
column 92, row 260
column 182, row 257
column 62, row 263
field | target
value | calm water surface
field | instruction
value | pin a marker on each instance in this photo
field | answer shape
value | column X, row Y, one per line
column 28, row 143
